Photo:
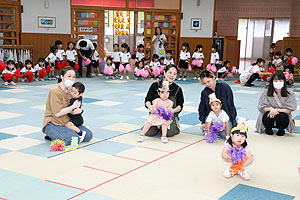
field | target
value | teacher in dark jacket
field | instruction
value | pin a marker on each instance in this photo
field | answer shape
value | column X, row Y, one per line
column 222, row 91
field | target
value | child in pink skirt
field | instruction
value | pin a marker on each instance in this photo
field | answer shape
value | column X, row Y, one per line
column 154, row 119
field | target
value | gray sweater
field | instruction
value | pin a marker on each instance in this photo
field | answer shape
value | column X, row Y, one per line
column 288, row 102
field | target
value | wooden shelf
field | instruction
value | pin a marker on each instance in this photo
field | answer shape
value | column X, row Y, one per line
column 8, row 22
column 78, row 25
column 8, row 30
column 7, row 14
column 86, row 18
column 87, row 33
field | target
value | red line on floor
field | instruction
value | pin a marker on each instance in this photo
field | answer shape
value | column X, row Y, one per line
column 130, row 158
column 179, row 141
column 2, row 198
column 65, row 185
column 136, row 169
column 154, row 149
column 102, row 170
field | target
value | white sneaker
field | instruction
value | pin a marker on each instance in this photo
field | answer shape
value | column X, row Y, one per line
column 184, row 79
column 36, row 79
column 81, row 138
column 12, row 83
column 227, row 174
column 121, row 78
column 53, row 78
column 135, row 78
column 140, row 138
column 42, row 79
column 164, row 139
column 49, row 78
column 127, row 77
column 195, row 78
column 107, row 77
column 23, row 80
column 93, row 74
column 56, row 77
column 6, row 83
column 179, row 79
column 113, row 77
column 244, row 175
column 199, row 79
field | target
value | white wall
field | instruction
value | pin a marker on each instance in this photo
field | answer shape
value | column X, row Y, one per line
column 57, row 8
column 204, row 11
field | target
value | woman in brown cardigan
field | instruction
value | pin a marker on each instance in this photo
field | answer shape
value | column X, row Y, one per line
column 56, row 113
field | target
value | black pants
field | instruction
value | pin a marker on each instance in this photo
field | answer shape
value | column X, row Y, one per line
column 282, row 121
column 252, row 78
column 86, row 53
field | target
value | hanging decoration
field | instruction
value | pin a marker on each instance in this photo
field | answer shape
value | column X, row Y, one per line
column 121, row 23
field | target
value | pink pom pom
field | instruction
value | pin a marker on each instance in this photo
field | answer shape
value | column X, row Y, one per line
column 208, row 67
column 156, row 72
column 145, row 73
column 86, row 62
column 99, row 60
column 194, row 62
column 121, row 68
column 286, row 74
column 128, row 68
column 190, row 68
column 162, row 69
column 233, row 69
column 110, row 71
column 178, row 67
column 138, row 72
column 213, row 68
column 294, row 60
column 106, row 70
column 230, row 75
column 199, row 63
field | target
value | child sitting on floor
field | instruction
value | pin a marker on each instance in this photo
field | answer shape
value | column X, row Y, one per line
column 217, row 115
column 289, row 77
column 237, row 141
column 154, row 119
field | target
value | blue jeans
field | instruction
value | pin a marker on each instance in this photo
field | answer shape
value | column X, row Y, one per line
column 65, row 134
column 222, row 134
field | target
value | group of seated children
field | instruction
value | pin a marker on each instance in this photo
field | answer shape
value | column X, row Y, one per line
column 258, row 69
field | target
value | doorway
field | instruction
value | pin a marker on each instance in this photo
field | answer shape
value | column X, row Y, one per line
column 123, row 27
column 257, row 35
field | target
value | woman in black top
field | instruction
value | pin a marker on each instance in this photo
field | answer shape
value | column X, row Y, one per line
column 176, row 95
column 222, row 91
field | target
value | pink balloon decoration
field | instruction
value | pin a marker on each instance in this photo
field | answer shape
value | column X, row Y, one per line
column 156, row 72
column 230, row 75
column 145, row 73
column 194, row 62
column 190, row 68
column 213, row 68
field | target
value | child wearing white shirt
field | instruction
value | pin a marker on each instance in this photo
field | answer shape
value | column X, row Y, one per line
column 198, row 56
column 168, row 60
column 140, row 53
column 95, row 61
column 116, row 56
column 217, row 115
column 71, row 54
column 184, row 60
column 125, row 57
column 277, row 61
column 252, row 73
column 51, row 58
column 214, row 57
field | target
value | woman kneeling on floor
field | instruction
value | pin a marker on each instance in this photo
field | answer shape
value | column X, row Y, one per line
column 275, row 106
column 57, row 102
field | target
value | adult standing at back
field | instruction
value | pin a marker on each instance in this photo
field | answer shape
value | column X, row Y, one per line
column 222, row 91
column 85, row 50
column 158, row 39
